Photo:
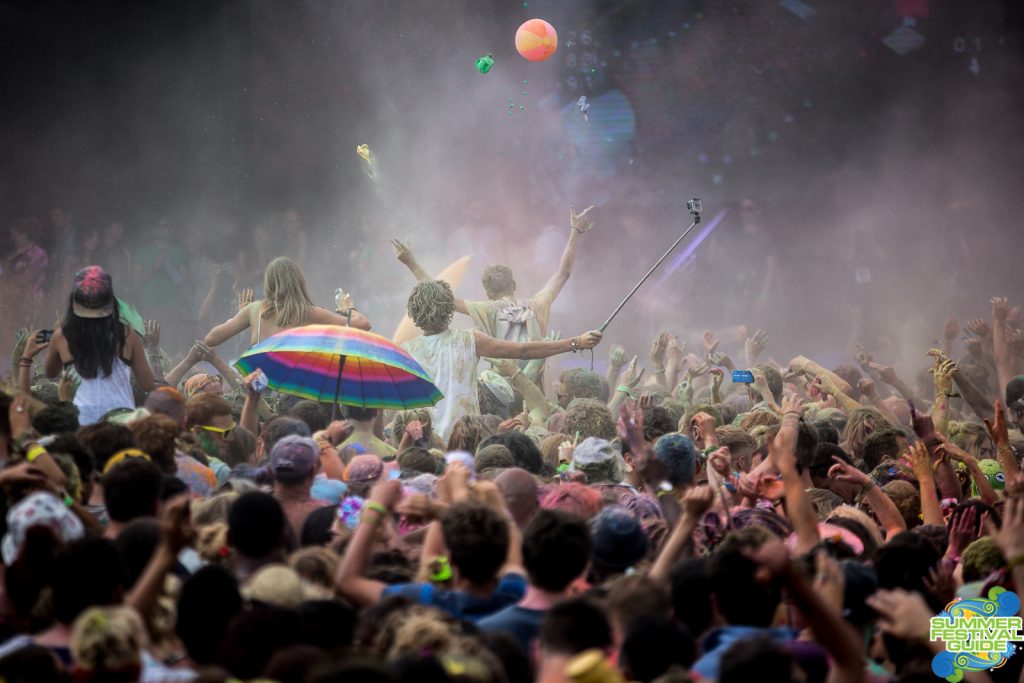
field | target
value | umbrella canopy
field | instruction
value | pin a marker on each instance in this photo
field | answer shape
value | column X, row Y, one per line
column 334, row 364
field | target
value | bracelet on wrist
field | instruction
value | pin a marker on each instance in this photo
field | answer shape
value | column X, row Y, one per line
column 378, row 508
column 1015, row 561
column 622, row 388
column 574, row 345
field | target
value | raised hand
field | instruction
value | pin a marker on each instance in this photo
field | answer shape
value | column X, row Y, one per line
column 513, row 423
column 902, row 614
column 980, row 328
column 710, row 343
column 151, row 339
column 919, row 461
column 673, row 350
column 717, row 377
column 338, row 431
column 867, row 388
column 697, row 501
column 248, row 383
column 414, row 428
column 974, row 347
column 1010, row 536
column 505, row 367
column 963, row 532
column 33, row 344
column 658, row 347
column 997, row 428
column 755, row 345
column 617, row 356
column 245, row 297
column 403, row 252
column 580, row 222
column 844, row 471
column 943, row 374
column 721, row 462
column 176, row 524
column 829, row 580
column 1000, row 309
column 630, row 377
column 698, row 370
column 951, row 329
column 387, row 492
column 631, row 427
column 885, row 372
column 922, row 423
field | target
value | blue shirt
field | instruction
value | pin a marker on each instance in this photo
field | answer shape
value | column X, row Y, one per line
column 510, row 590
column 520, row 622
column 721, row 639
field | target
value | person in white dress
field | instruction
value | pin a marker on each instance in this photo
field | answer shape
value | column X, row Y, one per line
column 450, row 356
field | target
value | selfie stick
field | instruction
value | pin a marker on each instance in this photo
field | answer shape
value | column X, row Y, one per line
column 694, row 207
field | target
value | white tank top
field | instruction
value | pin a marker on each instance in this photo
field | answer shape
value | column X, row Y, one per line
column 98, row 396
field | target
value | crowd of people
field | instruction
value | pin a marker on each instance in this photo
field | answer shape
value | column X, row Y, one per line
column 167, row 519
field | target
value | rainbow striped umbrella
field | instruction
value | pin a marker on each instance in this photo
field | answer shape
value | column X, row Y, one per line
column 334, row 364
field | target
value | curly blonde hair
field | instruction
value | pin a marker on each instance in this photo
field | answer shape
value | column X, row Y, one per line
column 431, row 306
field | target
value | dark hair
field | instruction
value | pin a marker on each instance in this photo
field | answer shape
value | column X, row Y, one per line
column 691, row 594
column 467, row 433
column 904, row 562
column 252, row 638
column 135, row 545
column 32, row 663
column 316, row 530
column 524, row 451
column 652, row 645
column 208, row 601
column 574, row 626
column 417, row 459
column 827, row 433
column 755, row 659
column 658, row 421
column 823, row 462
column 280, row 427
column 741, row 600
column 104, row 439
column 295, row 663
column 172, row 487
column 316, row 415
column 5, row 424
column 71, row 445
column 86, row 573
column 60, row 418
column 327, row 624
column 556, row 549
column 583, row 383
column 94, row 343
column 880, row 443
column 806, row 444
column 256, row 524
column 477, row 540
column 131, row 489
column 360, row 414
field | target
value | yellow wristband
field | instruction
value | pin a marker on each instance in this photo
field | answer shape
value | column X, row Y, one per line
column 34, row 452
column 1015, row 562
column 378, row 508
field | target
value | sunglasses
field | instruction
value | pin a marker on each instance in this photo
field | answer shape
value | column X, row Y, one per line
column 224, row 432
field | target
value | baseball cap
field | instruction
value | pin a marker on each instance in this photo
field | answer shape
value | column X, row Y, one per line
column 93, row 295
column 297, row 455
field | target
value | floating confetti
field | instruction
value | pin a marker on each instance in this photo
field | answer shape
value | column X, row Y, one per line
column 371, row 161
column 484, row 64
column 582, row 107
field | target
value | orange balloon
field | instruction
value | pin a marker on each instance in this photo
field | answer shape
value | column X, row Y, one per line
column 536, row 40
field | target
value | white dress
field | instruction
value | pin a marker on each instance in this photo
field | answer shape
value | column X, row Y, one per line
column 98, row 396
column 450, row 359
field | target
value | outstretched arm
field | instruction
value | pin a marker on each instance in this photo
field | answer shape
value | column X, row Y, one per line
column 580, row 224
column 489, row 347
column 403, row 252
column 228, row 329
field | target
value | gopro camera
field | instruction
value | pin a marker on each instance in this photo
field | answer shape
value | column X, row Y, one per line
column 693, row 206
column 742, row 377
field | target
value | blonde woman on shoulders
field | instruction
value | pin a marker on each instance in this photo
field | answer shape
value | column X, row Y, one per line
column 286, row 304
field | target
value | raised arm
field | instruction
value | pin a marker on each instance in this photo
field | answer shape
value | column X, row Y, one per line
column 1000, row 346
column 579, row 223
column 489, row 347
column 783, row 452
column 403, row 252
column 349, row 580
column 536, row 404
column 140, row 364
column 228, row 329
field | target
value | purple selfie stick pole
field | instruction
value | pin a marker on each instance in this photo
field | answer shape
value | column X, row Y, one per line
column 696, row 219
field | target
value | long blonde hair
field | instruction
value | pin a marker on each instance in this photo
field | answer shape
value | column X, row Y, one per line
column 285, row 295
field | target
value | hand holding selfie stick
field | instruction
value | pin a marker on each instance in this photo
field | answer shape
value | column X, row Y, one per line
column 693, row 206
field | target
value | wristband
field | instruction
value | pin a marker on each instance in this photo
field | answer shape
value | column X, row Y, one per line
column 66, row 497
column 34, row 452
column 378, row 508
column 625, row 390
column 1015, row 561
column 442, row 569
column 574, row 345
